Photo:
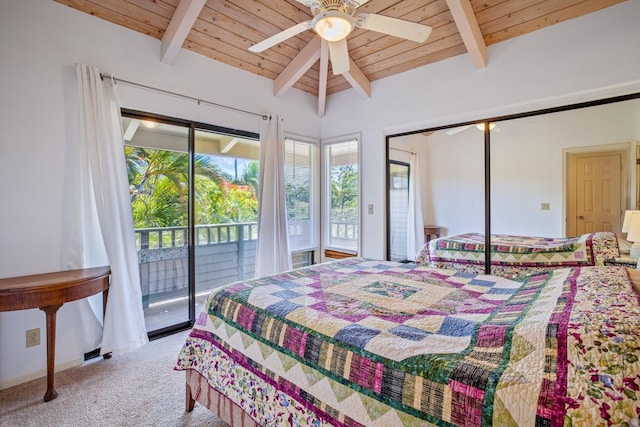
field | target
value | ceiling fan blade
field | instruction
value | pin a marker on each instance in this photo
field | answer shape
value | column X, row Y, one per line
column 339, row 55
column 280, row 37
column 394, row 27
column 479, row 126
column 309, row 3
column 457, row 130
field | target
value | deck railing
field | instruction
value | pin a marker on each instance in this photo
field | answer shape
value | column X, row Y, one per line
column 211, row 234
column 224, row 253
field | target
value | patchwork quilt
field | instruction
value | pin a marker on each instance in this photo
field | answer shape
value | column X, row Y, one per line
column 518, row 256
column 361, row 342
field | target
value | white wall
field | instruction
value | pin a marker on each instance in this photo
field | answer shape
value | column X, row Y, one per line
column 40, row 41
column 566, row 63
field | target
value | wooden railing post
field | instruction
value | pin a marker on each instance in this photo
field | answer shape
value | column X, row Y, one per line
column 144, row 240
column 240, row 234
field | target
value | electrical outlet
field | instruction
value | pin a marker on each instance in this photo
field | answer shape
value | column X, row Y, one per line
column 545, row 206
column 33, row 337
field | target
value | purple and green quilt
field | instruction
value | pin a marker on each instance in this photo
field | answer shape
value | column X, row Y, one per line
column 518, row 256
column 361, row 342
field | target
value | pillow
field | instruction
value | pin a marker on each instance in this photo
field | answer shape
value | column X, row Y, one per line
column 624, row 245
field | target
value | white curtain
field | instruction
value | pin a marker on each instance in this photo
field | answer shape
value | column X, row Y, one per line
column 272, row 254
column 102, row 227
column 415, row 221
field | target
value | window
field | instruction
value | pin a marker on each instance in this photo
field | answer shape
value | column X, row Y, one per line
column 301, row 194
column 342, row 199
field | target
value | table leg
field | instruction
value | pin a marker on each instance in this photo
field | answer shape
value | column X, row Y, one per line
column 51, row 350
column 105, row 294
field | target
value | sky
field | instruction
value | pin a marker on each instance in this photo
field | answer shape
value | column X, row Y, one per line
column 227, row 164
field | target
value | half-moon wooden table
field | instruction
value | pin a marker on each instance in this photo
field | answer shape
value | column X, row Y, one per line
column 48, row 292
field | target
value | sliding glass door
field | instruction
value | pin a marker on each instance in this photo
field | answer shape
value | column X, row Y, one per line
column 194, row 197
column 226, row 209
column 193, row 193
column 158, row 169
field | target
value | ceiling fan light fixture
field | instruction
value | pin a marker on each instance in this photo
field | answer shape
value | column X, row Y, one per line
column 333, row 25
column 480, row 126
column 149, row 124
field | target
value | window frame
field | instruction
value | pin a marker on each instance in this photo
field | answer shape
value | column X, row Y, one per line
column 325, row 187
column 315, row 193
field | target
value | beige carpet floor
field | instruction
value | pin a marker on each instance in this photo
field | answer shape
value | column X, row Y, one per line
column 135, row 389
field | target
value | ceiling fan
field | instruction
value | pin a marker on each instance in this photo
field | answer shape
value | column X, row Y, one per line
column 479, row 126
column 333, row 20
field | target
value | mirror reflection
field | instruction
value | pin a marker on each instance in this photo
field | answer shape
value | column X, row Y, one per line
column 556, row 176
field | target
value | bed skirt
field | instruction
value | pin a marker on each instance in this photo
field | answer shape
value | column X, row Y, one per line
column 199, row 390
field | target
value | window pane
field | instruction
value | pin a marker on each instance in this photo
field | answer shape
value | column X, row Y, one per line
column 300, row 193
column 158, row 170
column 343, row 204
column 226, row 208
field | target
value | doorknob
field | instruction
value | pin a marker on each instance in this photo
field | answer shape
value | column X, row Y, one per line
column 581, row 217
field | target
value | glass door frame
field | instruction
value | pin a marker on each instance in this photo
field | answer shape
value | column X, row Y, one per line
column 191, row 223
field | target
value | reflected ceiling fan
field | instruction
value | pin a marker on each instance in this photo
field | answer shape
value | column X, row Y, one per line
column 479, row 126
column 333, row 20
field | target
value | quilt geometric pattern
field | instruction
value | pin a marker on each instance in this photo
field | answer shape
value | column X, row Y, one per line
column 374, row 343
column 366, row 304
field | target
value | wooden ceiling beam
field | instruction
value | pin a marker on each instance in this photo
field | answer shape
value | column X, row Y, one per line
column 469, row 29
column 324, row 75
column 179, row 27
column 131, row 130
column 225, row 148
column 358, row 80
column 299, row 65
column 225, row 29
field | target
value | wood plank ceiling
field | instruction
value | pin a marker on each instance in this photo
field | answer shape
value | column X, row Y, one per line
column 224, row 30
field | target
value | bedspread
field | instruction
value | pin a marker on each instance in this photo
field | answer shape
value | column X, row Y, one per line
column 518, row 256
column 365, row 342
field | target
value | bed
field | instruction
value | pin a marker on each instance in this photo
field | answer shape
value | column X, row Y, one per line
column 518, row 256
column 360, row 342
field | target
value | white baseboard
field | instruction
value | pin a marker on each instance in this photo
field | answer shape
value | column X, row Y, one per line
column 38, row 374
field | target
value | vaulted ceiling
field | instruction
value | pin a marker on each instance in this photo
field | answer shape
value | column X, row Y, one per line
column 224, row 31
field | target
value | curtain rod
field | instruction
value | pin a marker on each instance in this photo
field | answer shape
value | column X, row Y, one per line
column 404, row 151
column 199, row 101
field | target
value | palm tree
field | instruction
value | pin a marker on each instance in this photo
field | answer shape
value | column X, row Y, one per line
column 344, row 187
column 159, row 184
column 251, row 176
column 145, row 166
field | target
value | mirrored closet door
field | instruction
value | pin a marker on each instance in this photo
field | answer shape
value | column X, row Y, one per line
column 554, row 173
